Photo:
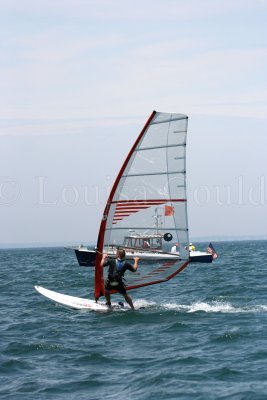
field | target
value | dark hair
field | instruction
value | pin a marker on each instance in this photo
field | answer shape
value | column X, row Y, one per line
column 121, row 253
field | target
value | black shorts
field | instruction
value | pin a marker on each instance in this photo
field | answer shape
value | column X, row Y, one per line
column 120, row 288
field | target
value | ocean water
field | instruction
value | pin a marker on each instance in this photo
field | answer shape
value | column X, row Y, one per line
column 202, row 335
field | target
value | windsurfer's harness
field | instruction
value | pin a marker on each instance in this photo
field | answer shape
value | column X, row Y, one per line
column 115, row 277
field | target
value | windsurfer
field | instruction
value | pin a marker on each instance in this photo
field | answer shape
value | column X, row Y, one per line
column 116, row 271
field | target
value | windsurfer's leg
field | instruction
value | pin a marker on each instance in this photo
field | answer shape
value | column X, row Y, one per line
column 107, row 296
column 129, row 300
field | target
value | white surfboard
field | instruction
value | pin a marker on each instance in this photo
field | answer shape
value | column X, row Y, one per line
column 76, row 303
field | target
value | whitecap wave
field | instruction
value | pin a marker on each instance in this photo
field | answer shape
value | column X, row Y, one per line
column 141, row 303
column 213, row 307
column 208, row 307
column 260, row 308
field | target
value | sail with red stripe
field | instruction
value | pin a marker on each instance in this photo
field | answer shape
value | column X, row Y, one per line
column 148, row 199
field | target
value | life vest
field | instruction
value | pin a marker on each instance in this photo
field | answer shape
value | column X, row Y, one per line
column 115, row 277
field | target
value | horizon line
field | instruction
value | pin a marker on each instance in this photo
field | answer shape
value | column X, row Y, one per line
column 90, row 243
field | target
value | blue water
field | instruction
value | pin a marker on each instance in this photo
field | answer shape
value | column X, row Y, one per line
column 203, row 335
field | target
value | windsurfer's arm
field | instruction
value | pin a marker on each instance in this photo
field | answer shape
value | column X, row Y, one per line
column 136, row 259
column 103, row 259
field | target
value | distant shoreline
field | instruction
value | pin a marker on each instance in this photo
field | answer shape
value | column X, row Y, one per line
column 6, row 246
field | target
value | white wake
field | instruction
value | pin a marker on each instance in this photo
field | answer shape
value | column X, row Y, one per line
column 208, row 307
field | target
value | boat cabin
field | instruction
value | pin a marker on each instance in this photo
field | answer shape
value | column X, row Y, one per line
column 143, row 242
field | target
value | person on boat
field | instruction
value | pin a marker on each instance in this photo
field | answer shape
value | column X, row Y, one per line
column 175, row 248
column 191, row 247
column 116, row 271
column 146, row 244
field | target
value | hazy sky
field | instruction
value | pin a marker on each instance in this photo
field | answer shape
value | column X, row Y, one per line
column 79, row 80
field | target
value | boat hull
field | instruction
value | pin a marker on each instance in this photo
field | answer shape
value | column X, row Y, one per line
column 86, row 257
column 200, row 257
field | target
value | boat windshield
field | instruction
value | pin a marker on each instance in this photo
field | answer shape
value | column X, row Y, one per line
column 139, row 242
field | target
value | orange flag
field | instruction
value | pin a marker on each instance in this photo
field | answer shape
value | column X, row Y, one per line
column 169, row 211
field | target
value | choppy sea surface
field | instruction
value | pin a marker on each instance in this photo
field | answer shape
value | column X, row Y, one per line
column 202, row 335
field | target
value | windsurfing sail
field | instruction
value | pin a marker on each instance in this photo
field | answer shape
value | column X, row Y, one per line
column 148, row 198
